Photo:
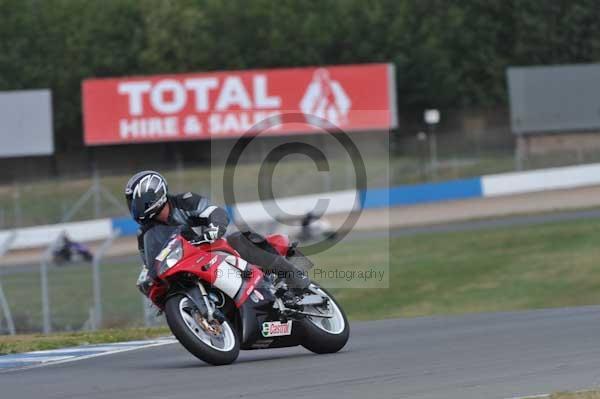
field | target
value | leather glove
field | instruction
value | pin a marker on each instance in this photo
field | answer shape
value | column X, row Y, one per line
column 205, row 234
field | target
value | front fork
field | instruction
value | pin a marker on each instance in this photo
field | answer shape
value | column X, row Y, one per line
column 210, row 307
column 209, row 310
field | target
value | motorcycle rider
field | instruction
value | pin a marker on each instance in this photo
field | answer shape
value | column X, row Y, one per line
column 307, row 221
column 151, row 205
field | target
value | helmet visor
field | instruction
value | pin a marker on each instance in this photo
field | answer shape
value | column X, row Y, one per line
column 145, row 207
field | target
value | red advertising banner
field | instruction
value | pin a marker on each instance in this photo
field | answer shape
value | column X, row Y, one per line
column 203, row 106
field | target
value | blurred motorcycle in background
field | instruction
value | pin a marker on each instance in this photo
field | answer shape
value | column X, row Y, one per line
column 69, row 251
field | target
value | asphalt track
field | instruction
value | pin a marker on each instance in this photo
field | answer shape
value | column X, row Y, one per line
column 500, row 355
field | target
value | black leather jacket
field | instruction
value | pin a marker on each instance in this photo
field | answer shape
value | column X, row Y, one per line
column 190, row 211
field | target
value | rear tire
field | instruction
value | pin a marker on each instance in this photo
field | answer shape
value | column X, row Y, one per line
column 191, row 341
column 316, row 339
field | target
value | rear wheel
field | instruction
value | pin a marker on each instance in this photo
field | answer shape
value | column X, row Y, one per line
column 325, row 335
column 213, row 342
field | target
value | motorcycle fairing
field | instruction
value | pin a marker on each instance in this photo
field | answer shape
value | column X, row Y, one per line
column 279, row 242
column 221, row 267
column 254, row 314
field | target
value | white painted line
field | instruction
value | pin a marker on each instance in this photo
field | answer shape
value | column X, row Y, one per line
column 84, row 349
column 541, row 395
column 132, row 343
column 546, row 395
column 41, row 359
column 68, row 359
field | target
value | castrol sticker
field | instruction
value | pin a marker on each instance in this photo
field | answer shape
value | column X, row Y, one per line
column 276, row 329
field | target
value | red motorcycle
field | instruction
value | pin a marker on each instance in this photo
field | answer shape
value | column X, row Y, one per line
column 216, row 303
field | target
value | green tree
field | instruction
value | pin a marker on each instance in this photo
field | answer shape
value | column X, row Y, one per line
column 446, row 53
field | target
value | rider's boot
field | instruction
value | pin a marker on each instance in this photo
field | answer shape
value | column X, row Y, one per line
column 295, row 281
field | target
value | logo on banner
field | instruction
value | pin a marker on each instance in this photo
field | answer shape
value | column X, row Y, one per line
column 326, row 99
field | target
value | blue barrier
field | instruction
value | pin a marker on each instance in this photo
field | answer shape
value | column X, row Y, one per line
column 126, row 226
column 423, row 193
column 380, row 198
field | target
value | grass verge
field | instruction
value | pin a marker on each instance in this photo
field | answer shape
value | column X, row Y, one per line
column 35, row 342
column 512, row 268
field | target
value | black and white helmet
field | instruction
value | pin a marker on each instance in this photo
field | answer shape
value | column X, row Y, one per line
column 146, row 194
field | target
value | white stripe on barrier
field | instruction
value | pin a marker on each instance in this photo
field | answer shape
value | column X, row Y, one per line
column 40, row 236
column 540, row 180
column 338, row 202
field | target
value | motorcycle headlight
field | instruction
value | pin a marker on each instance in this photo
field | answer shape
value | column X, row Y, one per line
column 169, row 256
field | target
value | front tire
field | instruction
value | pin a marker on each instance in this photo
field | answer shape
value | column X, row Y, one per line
column 325, row 335
column 217, row 350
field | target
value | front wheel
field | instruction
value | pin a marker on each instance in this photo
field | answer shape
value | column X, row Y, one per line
column 213, row 342
column 325, row 335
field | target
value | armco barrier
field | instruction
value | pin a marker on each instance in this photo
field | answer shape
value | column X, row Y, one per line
column 257, row 212
column 41, row 236
column 485, row 186
column 540, row 180
column 423, row 193
column 338, row 202
column 343, row 201
column 126, row 226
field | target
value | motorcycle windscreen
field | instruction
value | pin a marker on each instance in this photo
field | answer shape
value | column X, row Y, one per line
column 154, row 241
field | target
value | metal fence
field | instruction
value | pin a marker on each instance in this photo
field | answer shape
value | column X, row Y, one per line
column 7, row 314
column 407, row 159
column 44, row 295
